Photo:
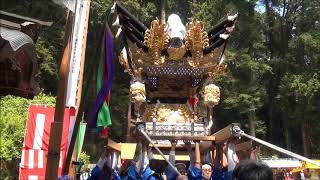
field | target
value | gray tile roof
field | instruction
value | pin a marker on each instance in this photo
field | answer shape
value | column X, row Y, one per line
column 16, row 38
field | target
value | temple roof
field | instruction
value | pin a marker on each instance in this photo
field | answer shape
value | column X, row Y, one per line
column 15, row 38
column 18, row 59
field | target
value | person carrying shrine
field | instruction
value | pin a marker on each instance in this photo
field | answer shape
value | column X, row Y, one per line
column 171, row 173
column 103, row 169
column 224, row 161
column 139, row 168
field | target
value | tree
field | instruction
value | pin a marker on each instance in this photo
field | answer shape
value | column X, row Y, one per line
column 293, row 53
column 246, row 91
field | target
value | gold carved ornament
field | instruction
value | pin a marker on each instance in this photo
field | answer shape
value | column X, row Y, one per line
column 123, row 60
column 156, row 38
column 137, row 92
column 217, row 70
column 196, row 41
column 211, row 95
column 170, row 113
column 176, row 53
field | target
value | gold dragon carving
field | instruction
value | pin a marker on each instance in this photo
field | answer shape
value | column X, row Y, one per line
column 156, row 38
column 173, row 113
column 196, row 41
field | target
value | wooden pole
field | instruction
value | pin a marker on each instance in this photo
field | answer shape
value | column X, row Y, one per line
column 79, row 93
column 56, row 126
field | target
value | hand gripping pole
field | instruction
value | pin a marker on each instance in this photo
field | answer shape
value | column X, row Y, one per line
column 238, row 132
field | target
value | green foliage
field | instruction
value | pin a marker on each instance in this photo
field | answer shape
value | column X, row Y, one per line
column 119, row 109
column 13, row 114
column 85, row 158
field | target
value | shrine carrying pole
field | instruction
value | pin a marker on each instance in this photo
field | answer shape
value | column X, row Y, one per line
column 56, row 126
column 238, row 132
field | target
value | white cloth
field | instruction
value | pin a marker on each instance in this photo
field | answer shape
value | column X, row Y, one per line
column 230, row 156
column 101, row 162
column 175, row 27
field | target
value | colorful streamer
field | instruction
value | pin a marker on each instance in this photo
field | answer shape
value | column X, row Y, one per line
column 100, row 114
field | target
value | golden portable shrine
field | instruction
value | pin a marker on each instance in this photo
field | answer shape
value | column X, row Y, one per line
column 173, row 69
column 172, row 89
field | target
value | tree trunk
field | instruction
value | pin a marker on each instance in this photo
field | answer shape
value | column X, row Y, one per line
column 286, row 127
column 163, row 11
column 269, row 53
column 305, row 136
column 252, row 124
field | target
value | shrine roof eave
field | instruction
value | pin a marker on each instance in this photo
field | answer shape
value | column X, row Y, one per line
column 21, row 19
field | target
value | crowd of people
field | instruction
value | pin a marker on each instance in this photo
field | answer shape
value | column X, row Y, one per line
column 220, row 164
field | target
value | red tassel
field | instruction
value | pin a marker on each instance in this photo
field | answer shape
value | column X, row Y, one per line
column 193, row 101
column 104, row 132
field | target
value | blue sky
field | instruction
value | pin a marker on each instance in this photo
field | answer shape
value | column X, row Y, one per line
column 260, row 7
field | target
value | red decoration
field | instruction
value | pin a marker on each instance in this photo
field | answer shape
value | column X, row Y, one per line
column 193, row 101
column 104, row 132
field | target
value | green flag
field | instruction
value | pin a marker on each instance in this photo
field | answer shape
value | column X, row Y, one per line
column 80, row 138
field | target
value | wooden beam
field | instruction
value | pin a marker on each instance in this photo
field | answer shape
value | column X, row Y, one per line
column 21, row 19
column 114, row 145
column 168, row 146
column 244, row 146
column 56, row 126
column 225, row 133
column 128, row 150
column 220, row 136
column 9, row 24
column 186, row 138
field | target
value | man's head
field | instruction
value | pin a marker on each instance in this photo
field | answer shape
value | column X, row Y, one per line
column 207, row 171
column 252, row 170
column 182, row 168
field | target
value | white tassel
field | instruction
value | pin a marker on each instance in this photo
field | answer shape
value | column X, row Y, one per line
column 221, row 60
column 232, row 18
column 124, row 52
column 224, row 36
column 113, row 7
column 229, row 29
column 116, row 22
column 118, row 32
